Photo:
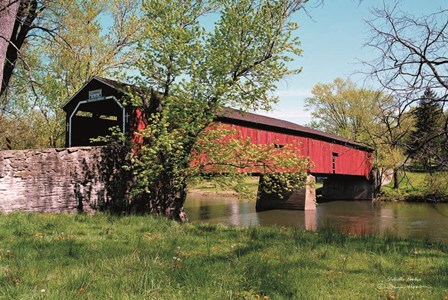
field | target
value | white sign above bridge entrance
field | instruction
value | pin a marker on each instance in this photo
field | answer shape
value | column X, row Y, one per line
column 95, row 94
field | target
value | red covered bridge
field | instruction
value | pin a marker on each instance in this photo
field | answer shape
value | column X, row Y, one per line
column 346, row 165
column 330, row 154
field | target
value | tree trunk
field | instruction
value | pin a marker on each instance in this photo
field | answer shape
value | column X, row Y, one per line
column 377, row 176
column 8, row 14
column 22, row 23
column 167, row 199
column 396, row 182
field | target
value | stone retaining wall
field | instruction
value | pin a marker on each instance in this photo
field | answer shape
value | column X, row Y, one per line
column 79, row 179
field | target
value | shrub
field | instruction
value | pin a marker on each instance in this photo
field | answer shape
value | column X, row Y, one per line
column 436, row 185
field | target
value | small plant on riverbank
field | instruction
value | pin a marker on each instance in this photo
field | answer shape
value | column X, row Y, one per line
column 46, row 256
column 437, row 186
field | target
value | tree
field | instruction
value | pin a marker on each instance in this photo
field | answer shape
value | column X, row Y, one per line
column 344, row 109
column 81, row 46
column 426, row 143
column 363, row 115
column 24, row 132
column 389, row 138
column 17, row 18
column 412, row 57
column 193, row 69
column 8, row 13
column 412, row 51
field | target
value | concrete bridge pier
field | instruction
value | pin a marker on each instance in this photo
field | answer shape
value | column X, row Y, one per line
column 300, row 199
column 345, row 187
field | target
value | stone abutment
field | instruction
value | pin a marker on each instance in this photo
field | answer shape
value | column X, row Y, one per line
column 79, row 179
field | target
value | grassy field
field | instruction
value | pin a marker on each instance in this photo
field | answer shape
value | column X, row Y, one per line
column 46, row 256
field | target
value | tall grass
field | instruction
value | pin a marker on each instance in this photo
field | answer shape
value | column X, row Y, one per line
column 46, row 256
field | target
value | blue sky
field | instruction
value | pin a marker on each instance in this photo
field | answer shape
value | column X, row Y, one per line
column 332, row 41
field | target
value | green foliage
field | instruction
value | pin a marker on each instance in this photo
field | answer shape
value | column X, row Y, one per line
column 427, row 143
column 24, row 131
column 221, row 149
column 366, row 116
column 236, row 61
column 437, row 186
column 418, row 187
column 45, row 256
column 344, row 109
column 246, row 188
column 197, row 68
column 219, row 152
column 78, row 47
column 278, row 183
column 197, row 65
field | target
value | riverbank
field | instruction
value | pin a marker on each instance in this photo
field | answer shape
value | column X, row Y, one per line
column 417, row 187
column 412, row 197
column 211, row 188
column 45, row 256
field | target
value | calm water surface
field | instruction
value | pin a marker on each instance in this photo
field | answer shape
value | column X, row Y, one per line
column 418, row 220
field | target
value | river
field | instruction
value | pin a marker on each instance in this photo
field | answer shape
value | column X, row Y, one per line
column 419, row 220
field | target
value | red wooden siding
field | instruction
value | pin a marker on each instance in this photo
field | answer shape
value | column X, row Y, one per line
column 330, row 154
column 349, row 161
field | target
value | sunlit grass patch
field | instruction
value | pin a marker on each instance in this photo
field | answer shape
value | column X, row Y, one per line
column 136, row 257
column 417, row 187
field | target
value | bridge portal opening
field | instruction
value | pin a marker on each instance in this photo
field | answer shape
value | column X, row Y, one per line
column 92, row 120
column 93, row 111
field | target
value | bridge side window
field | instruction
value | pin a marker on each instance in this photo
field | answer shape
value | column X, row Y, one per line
column 333, row 161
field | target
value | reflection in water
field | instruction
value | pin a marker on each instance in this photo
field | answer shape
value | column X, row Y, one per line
column 204, row 212
column 357, row 217
column 235, row 212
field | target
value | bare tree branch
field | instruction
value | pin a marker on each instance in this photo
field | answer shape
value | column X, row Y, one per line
column 412, row 57
column 412, row 51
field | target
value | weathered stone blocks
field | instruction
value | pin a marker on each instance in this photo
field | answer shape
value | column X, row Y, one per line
column 58, row 180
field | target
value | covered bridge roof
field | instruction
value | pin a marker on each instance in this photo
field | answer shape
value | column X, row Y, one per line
column 234, row 116
column 115, row 85
column 264, row 122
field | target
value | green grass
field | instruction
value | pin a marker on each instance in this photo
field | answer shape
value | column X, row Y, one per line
column 409, row 182
column 46, row 256
column 415, row 187
column 250, row 184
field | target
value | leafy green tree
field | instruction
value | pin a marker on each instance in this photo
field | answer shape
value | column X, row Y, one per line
column 426, row 140
column 82, row 45
column 198, row 68
column 23, row 132
column 366, row 116
column 389, row 137
column 344, row 109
